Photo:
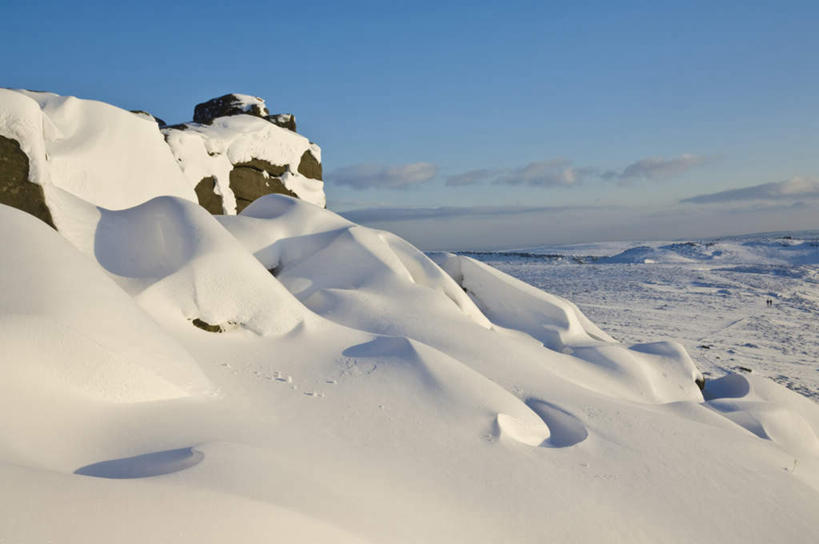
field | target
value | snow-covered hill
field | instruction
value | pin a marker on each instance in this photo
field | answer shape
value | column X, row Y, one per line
column 284, row 374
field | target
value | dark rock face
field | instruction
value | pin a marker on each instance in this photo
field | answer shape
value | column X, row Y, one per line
column 15, row 188
column 205, row 326
column 208, row 198
column 284, row 120
column 226, row 105
column 262, row 165
column 309, row 167
column 248, row 182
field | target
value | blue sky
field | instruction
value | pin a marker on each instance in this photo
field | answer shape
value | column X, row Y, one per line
column 628, row 106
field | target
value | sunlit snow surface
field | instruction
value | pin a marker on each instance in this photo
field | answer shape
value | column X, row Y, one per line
column 710, row 295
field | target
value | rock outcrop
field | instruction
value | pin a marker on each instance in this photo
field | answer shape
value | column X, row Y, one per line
column 284, row 120
column 233, row 153
column 245, row 151
column 227, row 105
column 208, row 198
column 15, row 188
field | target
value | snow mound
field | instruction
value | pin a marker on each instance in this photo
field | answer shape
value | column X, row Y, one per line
column 660, row 371
column 319, row 256
column 767, row 410
column 179, row 262
column 68, row 329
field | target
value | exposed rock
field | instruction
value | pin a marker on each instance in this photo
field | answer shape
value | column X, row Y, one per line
column 265, row 166
column 208, row 198
column 248, row 184
column 178, row 126
column 205, row 326
column 284, row 120
column 309, row 167
column 146, row 115
column 15, row 188
column 229, row 104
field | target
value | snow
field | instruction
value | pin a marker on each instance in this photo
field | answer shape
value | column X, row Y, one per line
column 100, row 153
column 69, row 331
column 287, row 374
column 712, row 301
column 357, row 369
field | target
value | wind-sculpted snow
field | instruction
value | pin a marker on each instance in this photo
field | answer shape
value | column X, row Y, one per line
column 173, row 256
column 355, row 390
column 100, row 153
column 319, row 265
column 54, row 304
column 768, row 411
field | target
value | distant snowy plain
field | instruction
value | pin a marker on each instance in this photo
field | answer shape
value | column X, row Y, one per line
column 710, row 295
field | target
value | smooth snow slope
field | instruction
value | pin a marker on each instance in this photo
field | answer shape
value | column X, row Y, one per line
column 362, row 392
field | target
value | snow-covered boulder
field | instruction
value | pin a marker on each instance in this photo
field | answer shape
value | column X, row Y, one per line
column 229, row 104
column 234, row 152
column 284, row 120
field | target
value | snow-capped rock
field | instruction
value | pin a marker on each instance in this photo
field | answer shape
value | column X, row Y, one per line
column 116, row 159
column 246, row 156
column 227, row 105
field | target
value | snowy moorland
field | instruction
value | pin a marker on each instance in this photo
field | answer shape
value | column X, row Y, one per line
column 710, row 295
column 284, row 374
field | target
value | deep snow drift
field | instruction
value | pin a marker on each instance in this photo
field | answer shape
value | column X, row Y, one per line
column 285, row 374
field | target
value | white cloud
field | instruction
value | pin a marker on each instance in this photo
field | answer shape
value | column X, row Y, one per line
column 657, row 168
column 551, row 173
column 562, row 172
column 796, row 188
column 471, row 177
column 378, row 176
